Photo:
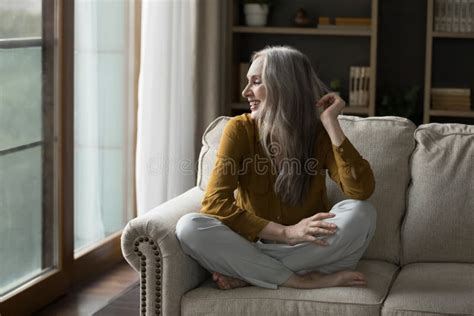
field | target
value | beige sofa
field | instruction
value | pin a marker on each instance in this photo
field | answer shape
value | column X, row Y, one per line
column 420, row 262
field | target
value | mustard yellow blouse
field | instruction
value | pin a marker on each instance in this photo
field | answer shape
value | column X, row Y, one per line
column 241, row 164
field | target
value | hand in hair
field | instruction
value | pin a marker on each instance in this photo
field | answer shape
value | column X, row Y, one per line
column 330, row 106
column 312, row 229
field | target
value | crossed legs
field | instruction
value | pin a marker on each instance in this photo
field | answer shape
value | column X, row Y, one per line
column 236, row 262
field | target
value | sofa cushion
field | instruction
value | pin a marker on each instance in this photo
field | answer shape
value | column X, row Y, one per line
column 210, row 144
column 210, row 300
column 439, row 223
column 432, row 289
column 387, row 143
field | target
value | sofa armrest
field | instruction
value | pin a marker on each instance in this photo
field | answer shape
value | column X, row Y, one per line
column 150, row 246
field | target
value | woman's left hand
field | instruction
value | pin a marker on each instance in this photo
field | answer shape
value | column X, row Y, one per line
column 331, row 106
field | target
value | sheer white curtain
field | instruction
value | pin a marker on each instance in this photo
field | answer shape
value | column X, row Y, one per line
column 167, row 109
column 103, row 116
column 88, row 221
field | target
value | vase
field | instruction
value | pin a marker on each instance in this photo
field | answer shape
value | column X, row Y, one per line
column 256, row 14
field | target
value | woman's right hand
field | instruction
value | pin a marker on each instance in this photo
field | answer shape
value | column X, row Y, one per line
column 311, row 229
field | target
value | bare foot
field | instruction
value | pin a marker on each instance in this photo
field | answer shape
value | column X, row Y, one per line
column 225, row 282
column 315, row 280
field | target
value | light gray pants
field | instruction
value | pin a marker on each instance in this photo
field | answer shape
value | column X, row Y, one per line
column 218, row 248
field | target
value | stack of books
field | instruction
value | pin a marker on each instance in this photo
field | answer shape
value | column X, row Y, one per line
column 454, row 15
column 359, row 79
column 353, row 21
column 451, row 99
column 325, row 22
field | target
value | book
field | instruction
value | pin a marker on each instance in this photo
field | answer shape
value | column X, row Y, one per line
column 364, row 75
column 456, row 99
column 367, row 86
column 453, row 16
column 460, row 103
column 457, row 103
column 437, row 14
column 324, row 20
column 461, row 94
column 470, row 16
column 451, row 91
column 351, row 85
column 359, row 78
column 450, row 107
column 360, row 87
column 450, row 98
column 353, row 21
column 456, row 18
column 443, row 15
column 343, row 27
column 449, row 16
column 463, row 16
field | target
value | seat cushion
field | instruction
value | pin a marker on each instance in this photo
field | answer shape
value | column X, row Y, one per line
column 432, row 289
column 387, row 143
column 439, row 221
column 208, row 299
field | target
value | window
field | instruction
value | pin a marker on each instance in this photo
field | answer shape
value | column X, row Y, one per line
column 67, row 113
column 103, row 101
column 28, row 229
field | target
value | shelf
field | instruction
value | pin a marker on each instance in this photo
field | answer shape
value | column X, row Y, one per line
column 431, row 36
column 453, row 35
column 302, row 31
column 247, row 39
column 452, row 113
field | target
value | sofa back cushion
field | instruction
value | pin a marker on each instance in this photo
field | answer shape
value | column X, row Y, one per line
column 439, row 224
column 387, row 144
column 210, row 145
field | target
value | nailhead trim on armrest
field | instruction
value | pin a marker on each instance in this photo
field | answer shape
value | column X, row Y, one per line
column 157, row 257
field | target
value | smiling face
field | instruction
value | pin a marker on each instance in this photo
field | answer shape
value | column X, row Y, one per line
column 255, row 91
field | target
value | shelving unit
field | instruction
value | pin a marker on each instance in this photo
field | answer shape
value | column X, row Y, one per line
column 431, row 35
column 305, row 37
column 301, row 31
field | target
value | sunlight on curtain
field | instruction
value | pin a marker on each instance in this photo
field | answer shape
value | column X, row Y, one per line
column 103, row 119
column 166, row 113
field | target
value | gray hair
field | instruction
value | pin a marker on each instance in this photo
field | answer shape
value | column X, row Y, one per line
column 288, row 121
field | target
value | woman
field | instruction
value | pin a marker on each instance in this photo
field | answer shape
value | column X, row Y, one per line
column 280, row 230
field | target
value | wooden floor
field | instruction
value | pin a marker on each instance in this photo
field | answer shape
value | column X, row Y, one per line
column 91, row 297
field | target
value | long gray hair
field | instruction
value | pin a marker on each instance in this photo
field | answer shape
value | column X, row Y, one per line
column 288, row 121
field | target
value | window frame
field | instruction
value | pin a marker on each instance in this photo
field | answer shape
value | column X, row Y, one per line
column 58, row 155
